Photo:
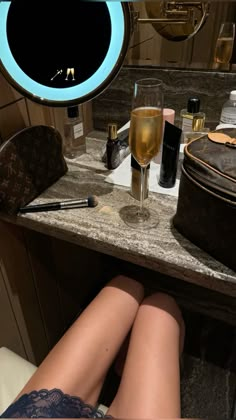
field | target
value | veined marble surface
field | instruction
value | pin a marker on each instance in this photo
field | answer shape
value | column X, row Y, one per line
column 212, row 88
column 103, row 228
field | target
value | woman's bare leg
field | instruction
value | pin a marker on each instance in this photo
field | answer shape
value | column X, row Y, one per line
column 150, row 383
column 79, row 362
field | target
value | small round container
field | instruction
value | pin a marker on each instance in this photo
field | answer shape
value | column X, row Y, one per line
column 219, row 126
column 168, row 115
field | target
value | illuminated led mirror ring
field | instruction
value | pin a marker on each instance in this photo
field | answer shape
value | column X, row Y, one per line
column 61, row 86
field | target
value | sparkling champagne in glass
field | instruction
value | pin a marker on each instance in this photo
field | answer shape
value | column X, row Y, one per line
column 225, row 43
column 145, row 138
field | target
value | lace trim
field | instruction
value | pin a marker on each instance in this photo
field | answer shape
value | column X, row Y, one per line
column 51, row 404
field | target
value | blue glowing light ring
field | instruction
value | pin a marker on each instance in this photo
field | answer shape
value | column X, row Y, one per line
column 77, row 92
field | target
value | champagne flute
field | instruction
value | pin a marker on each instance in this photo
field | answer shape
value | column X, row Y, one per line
column 145, row 137
column 225, row 43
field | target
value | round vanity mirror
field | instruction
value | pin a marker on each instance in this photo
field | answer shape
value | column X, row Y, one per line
column 177, row 20
column 62, row 53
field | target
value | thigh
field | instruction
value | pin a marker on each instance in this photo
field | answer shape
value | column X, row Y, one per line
column 150, row 383
column 80, row 360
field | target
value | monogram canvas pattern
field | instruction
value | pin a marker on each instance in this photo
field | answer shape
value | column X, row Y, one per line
column 213, row 164
column 30, row 161
column 206, row 207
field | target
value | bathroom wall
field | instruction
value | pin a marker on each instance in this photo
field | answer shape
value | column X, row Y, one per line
column 148, row 47
column 18, row 112
column 212, row 88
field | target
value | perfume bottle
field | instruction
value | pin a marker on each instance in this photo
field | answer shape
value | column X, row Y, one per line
column 112, row 147
column 74, row 138
column 191, row 118
column 228, row 112
column 123, row 137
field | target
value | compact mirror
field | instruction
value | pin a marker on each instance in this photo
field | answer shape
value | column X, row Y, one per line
column 62, row 53
column 177, row 20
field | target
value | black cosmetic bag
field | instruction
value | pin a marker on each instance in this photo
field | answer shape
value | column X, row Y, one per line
column 30, row 161
column 206, row 208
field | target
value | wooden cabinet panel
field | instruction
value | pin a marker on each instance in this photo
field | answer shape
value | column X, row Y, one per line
column 66, row 276
column 9, row 332
column 13, row 118
column 8, row 94
column 17, row 274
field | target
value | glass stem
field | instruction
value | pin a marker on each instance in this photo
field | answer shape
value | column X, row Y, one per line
column 143, row 175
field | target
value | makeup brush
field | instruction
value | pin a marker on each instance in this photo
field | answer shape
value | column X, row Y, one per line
column 91, row 201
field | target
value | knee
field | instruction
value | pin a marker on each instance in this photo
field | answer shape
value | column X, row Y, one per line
column 167, row 305
column 129, row 285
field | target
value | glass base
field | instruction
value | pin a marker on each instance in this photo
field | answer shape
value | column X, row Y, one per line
column 141, row 220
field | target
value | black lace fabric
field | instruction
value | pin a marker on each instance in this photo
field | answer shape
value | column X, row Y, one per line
column 51, row 404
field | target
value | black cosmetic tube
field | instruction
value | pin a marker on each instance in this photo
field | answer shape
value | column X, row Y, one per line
column 170, row 155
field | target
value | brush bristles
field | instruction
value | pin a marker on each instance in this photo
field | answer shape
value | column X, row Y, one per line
column 92, row 201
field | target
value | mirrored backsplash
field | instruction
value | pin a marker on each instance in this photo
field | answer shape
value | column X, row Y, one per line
column 149, row 48
column 212, row 88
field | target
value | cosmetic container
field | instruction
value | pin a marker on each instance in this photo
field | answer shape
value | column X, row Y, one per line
column 112, row 147
column 123, row 146
column 228, row 112
column 219, row 126
column 168, row 115
column 170, row 155
column 74, row 138
column 136, row 180
column 191, row 117
column 193, row 135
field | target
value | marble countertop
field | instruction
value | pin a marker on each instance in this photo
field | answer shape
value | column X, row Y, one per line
column 103, row 228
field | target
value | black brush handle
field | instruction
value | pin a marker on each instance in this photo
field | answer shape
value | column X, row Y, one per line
column 40, row 207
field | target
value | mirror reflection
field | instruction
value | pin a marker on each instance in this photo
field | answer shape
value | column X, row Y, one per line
column 148, row 46
column 62, row 53
column 57, row 55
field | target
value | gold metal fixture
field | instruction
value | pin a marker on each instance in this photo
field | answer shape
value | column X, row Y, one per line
column 176, row 20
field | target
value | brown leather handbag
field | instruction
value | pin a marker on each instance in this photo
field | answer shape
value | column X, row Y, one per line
column 30, row 161
column 206, row 208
